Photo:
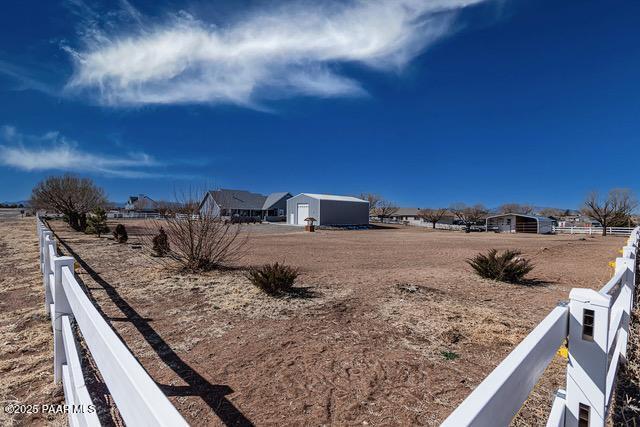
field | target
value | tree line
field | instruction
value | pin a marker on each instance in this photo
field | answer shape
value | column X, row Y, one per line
column 76, row 198
column 616, row 209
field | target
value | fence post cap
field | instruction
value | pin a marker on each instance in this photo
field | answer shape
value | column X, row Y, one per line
column 590, row 296
column 64, row 259
column 627, row 262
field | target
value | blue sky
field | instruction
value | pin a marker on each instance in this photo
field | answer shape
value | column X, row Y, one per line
column 425, row 102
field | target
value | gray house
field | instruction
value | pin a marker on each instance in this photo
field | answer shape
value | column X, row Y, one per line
column 140, row 203
column 327, row 209
column 240, row 203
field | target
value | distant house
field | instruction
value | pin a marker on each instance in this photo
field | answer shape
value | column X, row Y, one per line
column 412, row 216
column 327, row 209
column 519, row 223
column 577, row 220
column 241, row 203
column 275, row 206
column 140, row 203
column 406, row 214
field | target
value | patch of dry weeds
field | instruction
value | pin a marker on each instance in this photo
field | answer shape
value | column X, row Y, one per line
column 26, row 363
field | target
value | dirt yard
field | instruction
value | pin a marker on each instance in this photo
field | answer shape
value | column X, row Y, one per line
column 395, row 329
column 26, row 339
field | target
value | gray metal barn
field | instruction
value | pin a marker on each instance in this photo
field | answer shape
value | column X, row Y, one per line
column 519, row 223
column 327, row 209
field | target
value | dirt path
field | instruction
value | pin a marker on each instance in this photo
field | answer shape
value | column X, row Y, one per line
column 396, row 329
column 26, row 362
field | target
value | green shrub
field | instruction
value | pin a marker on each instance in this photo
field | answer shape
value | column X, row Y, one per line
column 274, row 279
column 449, row 355
column 97, row 222
column 505, row 267
column 161, row 243
column 120, row 234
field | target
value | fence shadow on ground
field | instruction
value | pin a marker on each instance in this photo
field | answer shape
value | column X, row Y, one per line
column 536, row 282
column 213, row 395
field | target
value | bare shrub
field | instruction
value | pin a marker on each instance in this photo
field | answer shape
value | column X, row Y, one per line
column 273, row 279
column 198, row 242
column 120, row 234
column 505, row 267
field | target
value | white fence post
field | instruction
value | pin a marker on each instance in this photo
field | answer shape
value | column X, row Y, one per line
column 42, row 245
column 61, row 308
column 40, row 229
column 588, row 360
column 630, row 252
column 47, row 236
column 626, row 291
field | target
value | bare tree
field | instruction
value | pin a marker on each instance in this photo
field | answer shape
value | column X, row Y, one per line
column 432, row 215
column 373, row 199
column 515, row 208
column 552, row 212
column 385, row 209
column 69, row 195
column 469, row 214
column 165, row 207
column 616, row 208
column 197, row 242
column 476, row 213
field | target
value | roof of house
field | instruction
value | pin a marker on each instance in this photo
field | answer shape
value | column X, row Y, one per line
column 133, row 199
column 406, row 212
column 238, row 199
column 274, row 198
column 333, row 197
column 536, row 217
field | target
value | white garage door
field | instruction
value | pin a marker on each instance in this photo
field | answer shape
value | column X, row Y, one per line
column 303, row 212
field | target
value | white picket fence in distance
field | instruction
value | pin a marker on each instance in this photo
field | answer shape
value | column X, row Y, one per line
column 596, row 327
column 137, row 397
column 613, row 231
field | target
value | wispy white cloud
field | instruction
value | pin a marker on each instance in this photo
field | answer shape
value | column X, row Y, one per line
column 25, row 80
column 52, row 151
column 295, row 49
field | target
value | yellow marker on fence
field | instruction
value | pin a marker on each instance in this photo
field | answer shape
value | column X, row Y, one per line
column 612, row 264
column 621, row 251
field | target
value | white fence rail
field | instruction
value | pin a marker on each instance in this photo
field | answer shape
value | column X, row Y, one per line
column 596, row 327
column 137, row 397
column 614, row 231
column 133, row 215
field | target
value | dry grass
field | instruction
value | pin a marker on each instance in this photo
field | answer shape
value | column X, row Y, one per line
column 395, row 328
column 26, row 363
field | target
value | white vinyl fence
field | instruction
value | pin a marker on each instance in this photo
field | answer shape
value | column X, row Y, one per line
column 133, row 215
column 595, row 325
column 137, row 397
column 614, row 231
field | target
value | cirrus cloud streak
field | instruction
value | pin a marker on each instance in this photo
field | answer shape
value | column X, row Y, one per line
column 52, row 151
column 297, row 49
